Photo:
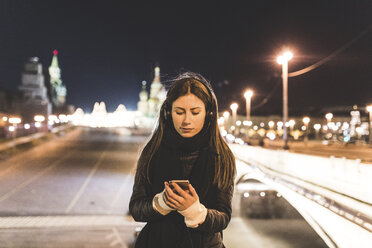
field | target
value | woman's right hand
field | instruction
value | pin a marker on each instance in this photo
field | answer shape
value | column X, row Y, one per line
column 180, row 200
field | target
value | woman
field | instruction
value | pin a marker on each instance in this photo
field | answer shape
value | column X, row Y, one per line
column 186, row 144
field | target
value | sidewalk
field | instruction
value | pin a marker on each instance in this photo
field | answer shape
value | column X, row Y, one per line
column 11, row 143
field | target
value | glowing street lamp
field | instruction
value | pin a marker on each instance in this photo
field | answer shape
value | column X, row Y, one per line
column 234, row 108
column 283, row 60
column 279, row 124
column 317, row 128
column 306, row 121
column 271, row 124
column 369, row 109
column 329, row 117
column 248, row 96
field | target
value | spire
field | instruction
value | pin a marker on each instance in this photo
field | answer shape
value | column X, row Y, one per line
column 55, row 59
column 157, row 75
column 54, row 70
column 143, row 94
column 58, row 89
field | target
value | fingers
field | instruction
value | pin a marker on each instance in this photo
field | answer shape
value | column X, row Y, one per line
column 171, row 194
column 193, row 192
column 180, row 190
column 170, row 202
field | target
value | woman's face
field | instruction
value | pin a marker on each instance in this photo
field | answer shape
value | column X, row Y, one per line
column 188, row 114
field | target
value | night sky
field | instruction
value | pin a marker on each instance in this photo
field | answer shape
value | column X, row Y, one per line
column 106, row 48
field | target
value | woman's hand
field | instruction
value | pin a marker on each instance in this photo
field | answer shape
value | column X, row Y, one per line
column 182, row 200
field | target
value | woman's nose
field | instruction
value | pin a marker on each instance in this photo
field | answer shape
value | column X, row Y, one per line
column 187, row 119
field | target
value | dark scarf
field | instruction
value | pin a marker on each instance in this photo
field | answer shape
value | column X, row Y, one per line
column 170, row 231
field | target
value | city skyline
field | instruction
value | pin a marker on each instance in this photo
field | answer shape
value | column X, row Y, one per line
column 107, row 49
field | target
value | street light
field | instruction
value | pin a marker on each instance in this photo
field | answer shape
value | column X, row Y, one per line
column 283, row 60
column 234, row 108
column 369, row 109
column 317, row 128
column 329, row 117
column 248, row 96
column 306, row 121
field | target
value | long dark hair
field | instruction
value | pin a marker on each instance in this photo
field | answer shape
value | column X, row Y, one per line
column 195, row 84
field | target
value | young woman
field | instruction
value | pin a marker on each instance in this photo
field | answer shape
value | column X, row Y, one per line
column 186, row 144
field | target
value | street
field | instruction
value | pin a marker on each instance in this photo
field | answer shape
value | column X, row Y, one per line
column 74, row 190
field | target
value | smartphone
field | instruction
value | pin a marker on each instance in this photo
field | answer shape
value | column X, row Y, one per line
column 184, row 184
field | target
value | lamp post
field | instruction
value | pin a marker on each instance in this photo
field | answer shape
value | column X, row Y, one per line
column 283, row 60
column 329, row 117
column 317, row 128
column 369, row 109
column 248, row 96
column 306, row 121
column 234, row 108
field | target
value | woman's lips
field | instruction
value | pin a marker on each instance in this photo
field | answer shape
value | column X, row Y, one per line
column 186, row 130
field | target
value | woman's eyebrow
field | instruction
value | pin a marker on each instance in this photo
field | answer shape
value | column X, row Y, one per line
column 191, row 108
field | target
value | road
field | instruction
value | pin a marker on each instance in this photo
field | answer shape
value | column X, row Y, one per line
column 74, row 190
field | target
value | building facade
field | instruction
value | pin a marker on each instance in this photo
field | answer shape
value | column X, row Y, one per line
column 33, row 97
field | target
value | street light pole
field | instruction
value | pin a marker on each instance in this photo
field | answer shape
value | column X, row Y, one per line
column 248, row 96
column 283, row 60
column 306, row 121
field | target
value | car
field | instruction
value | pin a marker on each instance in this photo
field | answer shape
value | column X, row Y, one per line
column 259, row 200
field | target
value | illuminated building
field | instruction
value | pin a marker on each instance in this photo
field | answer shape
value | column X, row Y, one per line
column 33, row 93
column 149, row 107
column 58, row 90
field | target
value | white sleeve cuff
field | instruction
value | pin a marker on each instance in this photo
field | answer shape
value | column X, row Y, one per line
column 159, row 205
column 195, row 214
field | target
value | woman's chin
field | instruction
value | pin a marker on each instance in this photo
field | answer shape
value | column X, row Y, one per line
column 187, row 135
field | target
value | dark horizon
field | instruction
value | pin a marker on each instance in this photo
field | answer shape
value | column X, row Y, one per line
column 106, row 49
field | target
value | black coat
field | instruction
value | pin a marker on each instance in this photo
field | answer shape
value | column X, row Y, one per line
column 217, row 219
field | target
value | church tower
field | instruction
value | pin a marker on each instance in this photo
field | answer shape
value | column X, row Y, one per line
column 142, row 105
column 156, row 94
column 156, row 84
column 58, row 90
column 150, row 104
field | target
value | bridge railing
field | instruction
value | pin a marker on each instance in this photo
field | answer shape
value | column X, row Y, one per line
column 344, row 176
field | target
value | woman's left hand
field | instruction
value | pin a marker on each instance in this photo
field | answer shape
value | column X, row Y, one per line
column 182, row 200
